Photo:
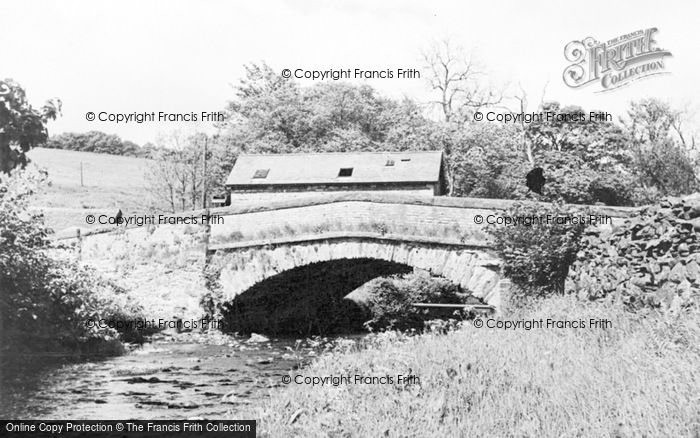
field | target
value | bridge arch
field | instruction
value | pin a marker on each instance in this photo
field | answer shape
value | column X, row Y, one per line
column 470, row 265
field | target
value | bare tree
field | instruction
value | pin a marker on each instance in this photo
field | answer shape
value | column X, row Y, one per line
column 176, row 177
column 523, row 107
column 680, row 127
column 457, row 80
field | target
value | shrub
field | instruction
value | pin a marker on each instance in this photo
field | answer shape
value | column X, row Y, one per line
column 46, row 301
column 391, row 298
column 213, row 297
column 613, row 188
column 537, row 257
column 666, row 165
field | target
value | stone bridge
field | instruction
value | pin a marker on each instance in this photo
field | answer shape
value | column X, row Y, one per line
column 443, row 236
column 377, row 233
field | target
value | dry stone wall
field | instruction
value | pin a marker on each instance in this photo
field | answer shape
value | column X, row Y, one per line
column 650, row 260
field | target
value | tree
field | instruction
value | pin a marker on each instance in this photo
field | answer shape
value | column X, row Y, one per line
column 272, row 114
column 585, row 161
column 484, row 161
column 662, row 160
column 96, row 141
column 665, row 165
column 650, row 120
column 459, row 86
column 176, row 177
column 599, row 143
column 269, row 113
column 21, row 126
column 457, row 81
column 523, row 104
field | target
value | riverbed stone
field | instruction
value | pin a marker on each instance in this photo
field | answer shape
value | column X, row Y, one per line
column 257, row 338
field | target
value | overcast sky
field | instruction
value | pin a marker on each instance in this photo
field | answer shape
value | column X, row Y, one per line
column 183, row 56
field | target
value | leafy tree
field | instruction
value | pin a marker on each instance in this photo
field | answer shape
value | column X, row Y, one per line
column 271, row 114
column 650, row 120
column 585, row 161
column 21, row 126
column 666, row 166
column 98, row 142
column 661, row 160
column 599, row 143
column 483, row 161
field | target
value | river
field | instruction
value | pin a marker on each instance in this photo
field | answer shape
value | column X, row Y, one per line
column 174, row 376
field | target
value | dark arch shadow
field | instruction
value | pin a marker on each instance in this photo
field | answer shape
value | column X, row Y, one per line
column 307, row 300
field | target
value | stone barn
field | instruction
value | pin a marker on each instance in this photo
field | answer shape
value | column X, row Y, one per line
column 263, row 177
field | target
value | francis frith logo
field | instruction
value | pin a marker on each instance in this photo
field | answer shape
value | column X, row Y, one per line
column 616, row 62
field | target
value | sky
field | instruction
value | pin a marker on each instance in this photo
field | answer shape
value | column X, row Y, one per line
column 182, row 56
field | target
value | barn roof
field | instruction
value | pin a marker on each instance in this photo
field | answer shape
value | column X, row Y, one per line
column 325, row 168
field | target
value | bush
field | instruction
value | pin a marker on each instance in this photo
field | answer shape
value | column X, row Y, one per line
column 666, row 165
column 614, row 188
column 575, row 180
column 537, row 257
column 391, row 299
column 46, row 301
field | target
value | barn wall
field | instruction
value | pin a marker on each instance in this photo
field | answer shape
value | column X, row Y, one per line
column 241, row 196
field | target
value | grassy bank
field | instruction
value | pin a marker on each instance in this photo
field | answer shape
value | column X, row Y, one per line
column 109, row 183
column 638, row 378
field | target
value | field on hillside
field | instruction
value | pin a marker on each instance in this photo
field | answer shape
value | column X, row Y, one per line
column 110, row 183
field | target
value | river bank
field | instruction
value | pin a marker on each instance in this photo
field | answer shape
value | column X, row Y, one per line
column 174, row 376
column 638, row 377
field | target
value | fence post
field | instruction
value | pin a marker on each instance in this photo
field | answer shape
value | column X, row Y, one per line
column 505, row 297
column 207, row 235
column 80, row 244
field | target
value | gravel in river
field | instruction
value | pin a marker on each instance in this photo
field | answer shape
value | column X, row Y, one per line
column 172, row 377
